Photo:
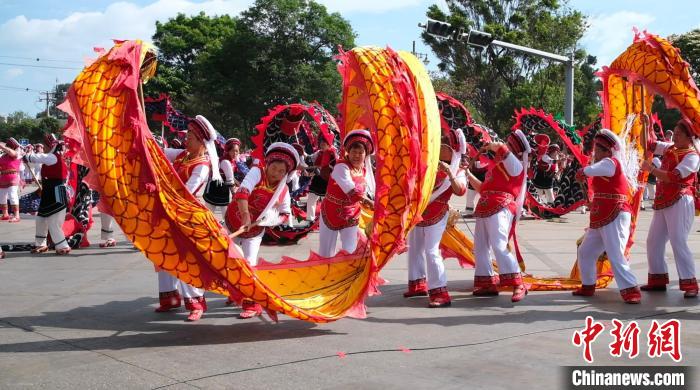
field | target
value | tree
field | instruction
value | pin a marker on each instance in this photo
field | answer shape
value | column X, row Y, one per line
column 501, row 80
column 21, row 125
column 281, row 52
column 57, row 97
column 183, row 43
column 689, row 45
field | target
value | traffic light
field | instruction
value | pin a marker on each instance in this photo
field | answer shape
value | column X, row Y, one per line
column 439, row 29
column 479, row 38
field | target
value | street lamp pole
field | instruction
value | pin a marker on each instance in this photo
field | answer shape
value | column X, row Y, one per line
column 482, row 40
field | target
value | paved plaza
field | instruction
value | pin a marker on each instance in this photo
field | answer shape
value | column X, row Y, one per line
column 87, row 321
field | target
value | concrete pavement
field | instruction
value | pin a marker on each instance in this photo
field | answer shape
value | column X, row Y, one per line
column 87, row 321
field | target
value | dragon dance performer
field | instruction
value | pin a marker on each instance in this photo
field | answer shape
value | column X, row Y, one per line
column 674, row 210
column 502, row 194
column 192, row 166
column 54, row 197
column 610, row 219
column 323, row 161
column 263, row 200
column 10, row 179
column 350, row 184
column 545, row 172
column 424, row 258
column 217, row 194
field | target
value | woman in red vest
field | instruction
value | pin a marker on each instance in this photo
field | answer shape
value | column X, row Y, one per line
column 501, row 199
column 324, row 160
column 426, row 268
column 192, row 165
column 609, row 227
column 54, row 197
column 350, row 184
column 262, row 200
column 10, row 164
column 674, row 210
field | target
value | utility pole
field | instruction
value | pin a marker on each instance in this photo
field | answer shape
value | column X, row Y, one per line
column 482, row 40
column 421, row 56
column 48, row 99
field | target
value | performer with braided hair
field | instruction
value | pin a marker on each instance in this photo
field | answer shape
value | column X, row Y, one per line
column 502, row 196
column 426, row 268
column 610, row 219
column 192, row 166
column 263, row 200
column 54, row 197
column 674, row 209
column 351, row 183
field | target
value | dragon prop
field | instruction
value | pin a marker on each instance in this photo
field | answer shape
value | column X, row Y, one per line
column 301, row 124
column 651, row 65
column 388, row 92
column 570, row 194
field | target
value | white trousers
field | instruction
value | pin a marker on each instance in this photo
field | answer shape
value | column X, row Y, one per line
column 672, row 224
column 424, row 257
column 650, row 191
column 107, row 227
column 11, row 194
column 167, row 282
column 328, row 239
column 52, row 224
column 250, row 247
column 491, row 235
column 612, row 239
column 546, row 194
column 214, row 209
column 311, row 201
column 472, row 198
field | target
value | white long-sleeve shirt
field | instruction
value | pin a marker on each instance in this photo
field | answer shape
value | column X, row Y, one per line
column 277, row 214
column 513, row 166
column 688, row 165
column 200, row 173
column 604, row 167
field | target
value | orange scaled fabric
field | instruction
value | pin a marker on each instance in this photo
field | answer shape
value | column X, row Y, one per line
column 178, row 234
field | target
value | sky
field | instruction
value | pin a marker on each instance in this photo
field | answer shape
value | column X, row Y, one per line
column 62, row 34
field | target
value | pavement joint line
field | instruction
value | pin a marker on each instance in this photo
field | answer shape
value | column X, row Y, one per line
column 401, row 349
column 543, row 257
column 28, row 329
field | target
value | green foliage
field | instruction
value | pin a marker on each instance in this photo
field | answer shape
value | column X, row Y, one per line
column 277, row 51
column 20, row 125
column 689, row 45
column 496, row 81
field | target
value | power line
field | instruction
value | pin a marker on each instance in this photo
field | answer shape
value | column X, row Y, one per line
column 41, row 59
column 19, row 88
column 39, row 66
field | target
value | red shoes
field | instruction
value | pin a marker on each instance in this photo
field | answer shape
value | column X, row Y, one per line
column 197, row 306
column 632, row 295
column 439, row 297
column 656, row 282
column 485, row 286
column 168, row 300
column 250, row 309
column 63, row 251
column 514, row 279
column 416, row 288
column 519, row 293
column 586, row 290
column 690, row 287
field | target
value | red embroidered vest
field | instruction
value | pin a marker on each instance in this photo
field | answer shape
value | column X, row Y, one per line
column 340, row 210
column 610, row 197
column 9, row 171
column 58, row 171
column 498, row 191
column 668, row 193
column 257, row 201
column 437, row 209
column 185, row 167
column 324, row 161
